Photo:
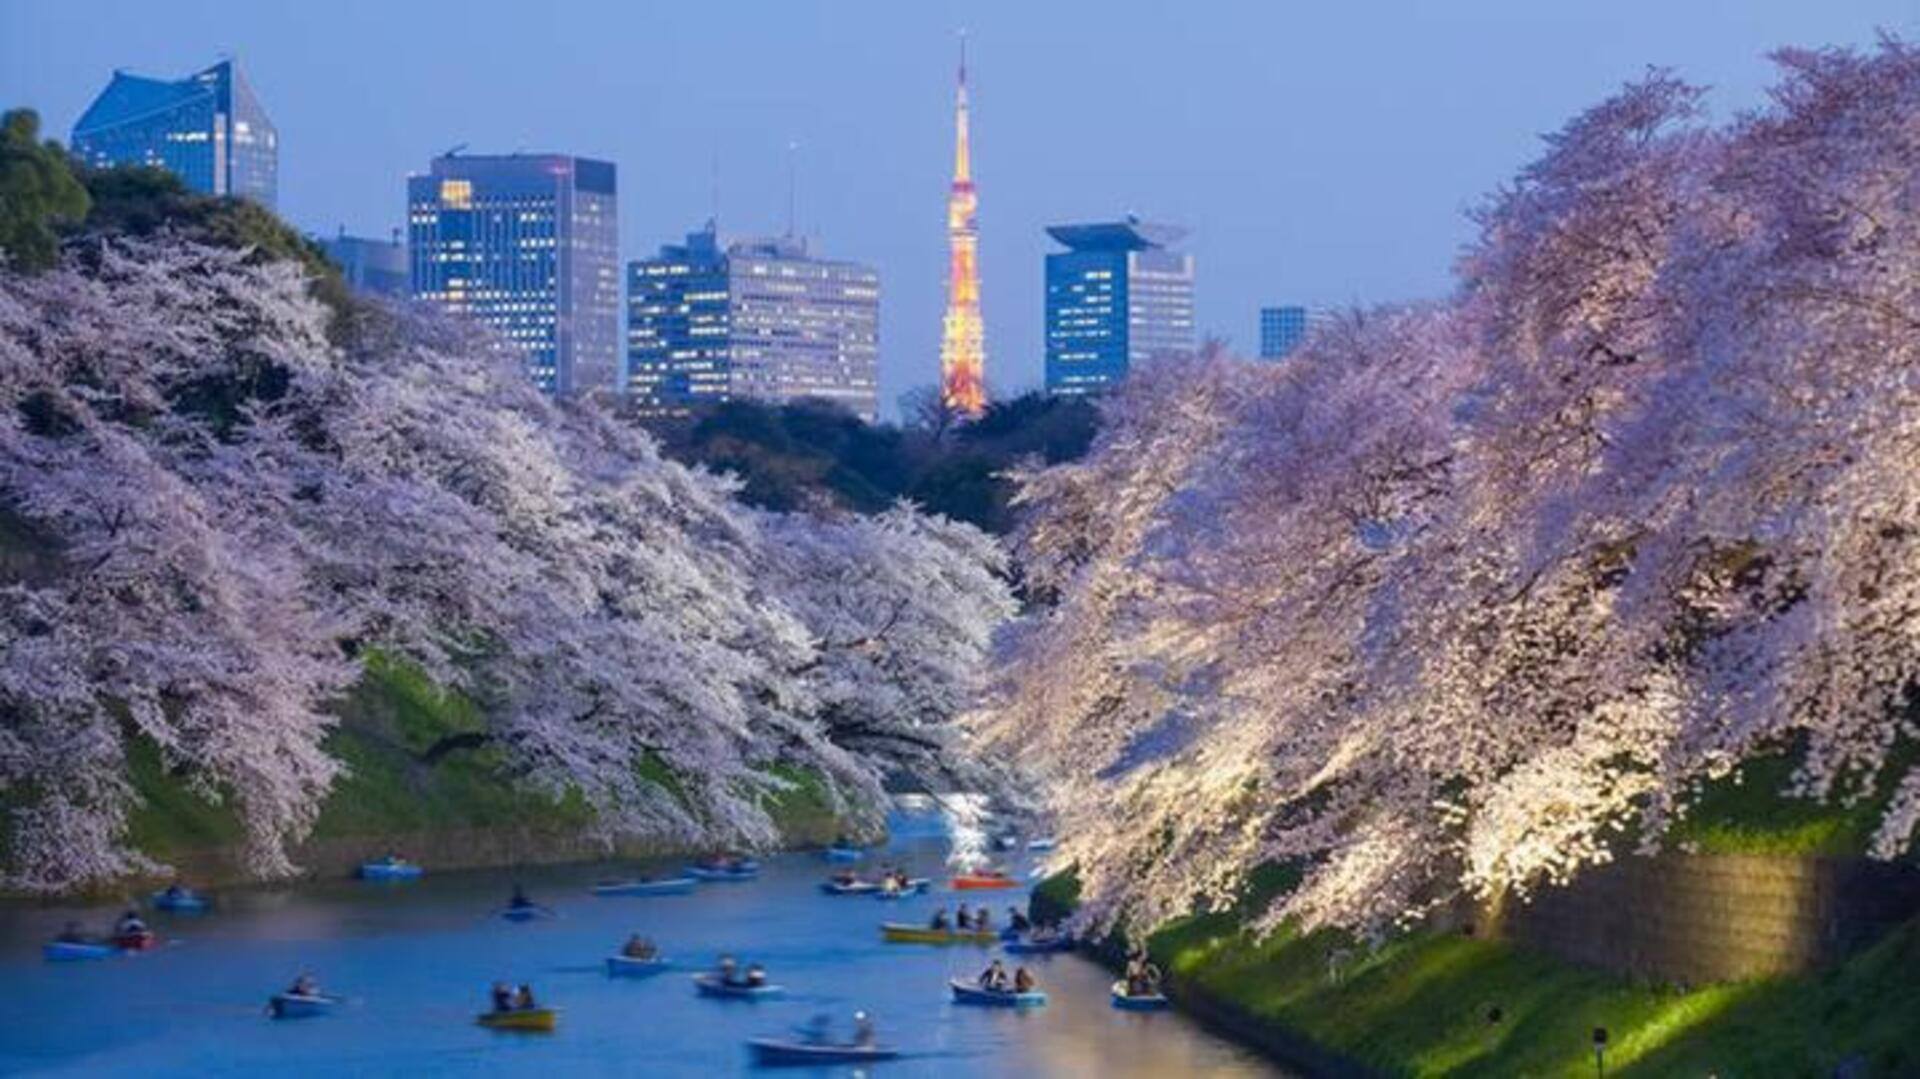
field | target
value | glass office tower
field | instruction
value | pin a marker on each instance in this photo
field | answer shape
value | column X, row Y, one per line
column 1281, row 331
column 208, row 129
column 1120, row 294
column 528, row 244
column 756, row 319
column 370, row 265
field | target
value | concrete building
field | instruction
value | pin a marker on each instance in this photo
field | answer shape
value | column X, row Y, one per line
column 754, row 319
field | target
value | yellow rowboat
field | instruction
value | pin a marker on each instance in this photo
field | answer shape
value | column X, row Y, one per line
column 541, row 1019
column 896, row 933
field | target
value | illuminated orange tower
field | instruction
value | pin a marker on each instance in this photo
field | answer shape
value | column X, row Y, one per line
column 963, row 347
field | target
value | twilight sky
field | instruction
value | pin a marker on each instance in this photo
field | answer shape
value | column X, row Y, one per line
column 1322, row 153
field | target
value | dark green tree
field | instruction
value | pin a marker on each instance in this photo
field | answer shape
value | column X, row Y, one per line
column 38, row 193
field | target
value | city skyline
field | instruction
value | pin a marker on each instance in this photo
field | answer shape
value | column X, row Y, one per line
column 1326, row 205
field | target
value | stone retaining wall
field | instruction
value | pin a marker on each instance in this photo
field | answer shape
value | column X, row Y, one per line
column 1706, row 918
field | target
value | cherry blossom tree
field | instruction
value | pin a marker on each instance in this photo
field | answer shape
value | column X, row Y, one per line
column 1471, row 596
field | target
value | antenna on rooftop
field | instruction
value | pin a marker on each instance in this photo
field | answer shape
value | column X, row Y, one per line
column 455, row 150
column 793, row 181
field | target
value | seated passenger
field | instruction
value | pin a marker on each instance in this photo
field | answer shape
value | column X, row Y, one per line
column 129, row 925
column 863, row 1032
column 994, row 978
column 756, row 975
column 639, row 947
column 502, row 997
column 523, row 1000
column 729, row 971
column 1018, row 920
column 304, row 986
column 939, row 921
column 1023, row 981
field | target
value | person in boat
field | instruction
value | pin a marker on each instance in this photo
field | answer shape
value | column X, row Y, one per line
column 963, row 918
column 816, row 1029
column 939, row 922
column 523, row 1000
column 72, row 934
column 639, row 947
column 729, row 970
column 890, row 885
column 846, row 878
column 994, row 978
column 520, row 900
column 502, row 997
column 864, row 1034
column 304, row 986
column 177, row 891
column 982, row 919
column 129, row 925
column 1018, row 920
column 756, row 976
column 1024, row 981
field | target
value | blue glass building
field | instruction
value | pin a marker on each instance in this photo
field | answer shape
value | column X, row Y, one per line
column 1119, row 295
column 528, row 244
column 1281, row 331
column 207, row 128
column 376, row 266
column 755, row 319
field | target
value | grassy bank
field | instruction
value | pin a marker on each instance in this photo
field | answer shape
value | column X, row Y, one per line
column 1433, row 1003
column 463, row 805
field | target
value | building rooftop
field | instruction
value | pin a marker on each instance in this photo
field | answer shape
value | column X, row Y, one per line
column 134, row 97
column 1129, row 234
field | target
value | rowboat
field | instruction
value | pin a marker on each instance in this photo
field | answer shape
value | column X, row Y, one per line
column 915, row 886
column 850, row 887
column 390, row 869
column 771, row 1052
column 522, row 1019
column 669, row 886
column 626, row 966
column 1044, row 843
column 527, row 912
column 843, row 854
column 984, row 880
column 300, row 1005
column 744, row 871
column 69, row 951
column 966, row 993
column 711, row 985
column 180, row 901
column 1148, row 1002
column 897, row 933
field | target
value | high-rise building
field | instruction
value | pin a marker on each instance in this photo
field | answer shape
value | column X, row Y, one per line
column 1120, row 294
column 756, row 319
column 1281, row 331
column 528, row 244
column 963, row 336
column 376, row 266
column 208, row 129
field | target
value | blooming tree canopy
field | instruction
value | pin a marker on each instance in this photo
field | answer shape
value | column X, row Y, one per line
column 1468, row 596
column 209, row 511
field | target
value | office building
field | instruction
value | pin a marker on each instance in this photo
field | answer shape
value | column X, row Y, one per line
column 208, row 129
column 1119, row 295
column 369, row 265
column 755, row 319
column 528, row 244
column 1282, row 329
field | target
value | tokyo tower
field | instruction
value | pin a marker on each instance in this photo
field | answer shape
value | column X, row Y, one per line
column 963, row 350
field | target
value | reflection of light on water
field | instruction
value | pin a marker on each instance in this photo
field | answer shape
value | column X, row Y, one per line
column 966, row 817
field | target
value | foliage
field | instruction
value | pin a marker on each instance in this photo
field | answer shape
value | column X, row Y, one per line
column 1473, row 593
column 249, row 519
column 38, row 193
column 813, row 454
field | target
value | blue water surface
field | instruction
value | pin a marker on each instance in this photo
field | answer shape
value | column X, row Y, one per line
column 416, row 959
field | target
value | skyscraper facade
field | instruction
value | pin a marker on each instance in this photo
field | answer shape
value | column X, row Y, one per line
column 528, row 244
column 756, row 319
column 208, row 129
column 370, row 265
column 1120, row 294
column 1281, row 331
column 963, row 335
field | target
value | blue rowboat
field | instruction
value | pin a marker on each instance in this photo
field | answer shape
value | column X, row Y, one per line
column 180, row 901
column 390, row 869
column 967, row 993
column 843, row 854
column 743, row 871
column 626, row 966
column 854, row 887
column 670, row 886
column 72, row 951
column 710, row 985
column 300, row 1005
column 775, row 1052
column 526, row 913
column 1150, row 1002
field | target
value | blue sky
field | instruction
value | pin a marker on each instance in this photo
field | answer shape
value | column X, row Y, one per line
column 1322, row 153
